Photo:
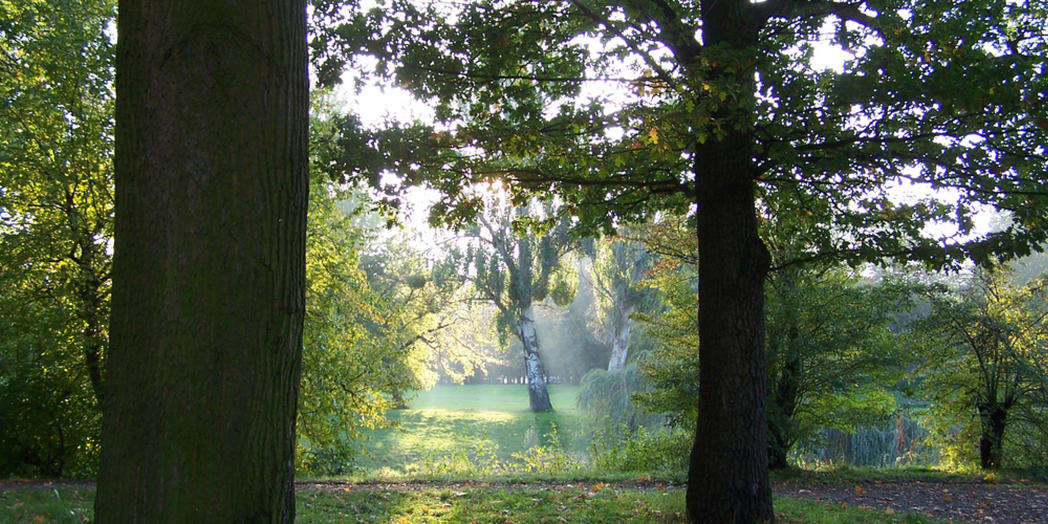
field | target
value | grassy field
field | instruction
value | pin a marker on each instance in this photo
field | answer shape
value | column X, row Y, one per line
column 461, row 503
column 467, row 435
column 479, row 424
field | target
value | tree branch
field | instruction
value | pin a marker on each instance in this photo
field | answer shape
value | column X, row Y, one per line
column 815, row 8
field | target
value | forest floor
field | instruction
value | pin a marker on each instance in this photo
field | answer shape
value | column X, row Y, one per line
column 947, row 500
column 641, row 500
column 955, row 500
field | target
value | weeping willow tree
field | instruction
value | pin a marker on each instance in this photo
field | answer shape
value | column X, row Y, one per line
column 513, row 270
column 606, row 396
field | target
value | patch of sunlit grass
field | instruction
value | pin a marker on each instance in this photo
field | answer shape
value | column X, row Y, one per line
column 488, row 504
column 476, row 502
column 478, row 424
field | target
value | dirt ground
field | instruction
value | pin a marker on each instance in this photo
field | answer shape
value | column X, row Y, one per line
column 956, row 501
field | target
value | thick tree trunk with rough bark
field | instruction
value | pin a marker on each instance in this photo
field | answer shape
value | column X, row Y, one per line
column 728, row 476
column 209, row 266
column 538, row 395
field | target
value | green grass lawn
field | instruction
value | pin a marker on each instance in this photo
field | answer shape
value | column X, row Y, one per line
column 465, row 504
column 480, row 424
column 459, row 433
column 492, row 397
column 495, row 503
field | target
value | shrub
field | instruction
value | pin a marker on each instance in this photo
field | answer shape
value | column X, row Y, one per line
column 665, row 451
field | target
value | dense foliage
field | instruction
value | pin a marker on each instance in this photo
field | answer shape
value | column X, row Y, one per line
column 349, row 363
column 987, row 374
column 559, row 116
column 720, row 105
column 56, row 212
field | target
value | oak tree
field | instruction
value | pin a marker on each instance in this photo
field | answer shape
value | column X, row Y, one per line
column 623, row 108
column 209, row 262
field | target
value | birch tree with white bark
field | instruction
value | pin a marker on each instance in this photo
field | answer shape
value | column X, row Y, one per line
column 513, row 268
column 619, row 267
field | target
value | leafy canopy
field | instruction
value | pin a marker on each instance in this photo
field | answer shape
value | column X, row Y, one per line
column 605, row 104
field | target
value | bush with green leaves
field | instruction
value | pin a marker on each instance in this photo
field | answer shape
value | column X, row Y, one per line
column 547, row 458
column 664, row 451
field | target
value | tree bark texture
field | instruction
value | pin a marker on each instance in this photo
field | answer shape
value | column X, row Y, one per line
column 209, row 263
column 538, row 394
column 728, row 475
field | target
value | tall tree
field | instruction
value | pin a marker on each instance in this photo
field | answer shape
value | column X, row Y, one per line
column 718, row 105
column 56, row 210
column 993, row 336
column 513, row 271
column 618, row 269
column 208, row 272
column 834, row 346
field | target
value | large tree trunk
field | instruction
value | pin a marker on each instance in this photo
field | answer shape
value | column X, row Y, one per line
column 538, row 395
column 728, row 476
column 209, row 268
column 992, row 417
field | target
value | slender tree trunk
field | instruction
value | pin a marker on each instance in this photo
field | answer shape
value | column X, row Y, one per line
column 728, row 476
column 786, row 386
column 90, row 293
column 209, row 267
column 623, row 326
column 92, row 314
column 784, row 404
column 538, row 395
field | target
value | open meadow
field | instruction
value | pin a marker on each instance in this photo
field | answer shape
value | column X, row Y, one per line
column 471, row 453
column 471, row 429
